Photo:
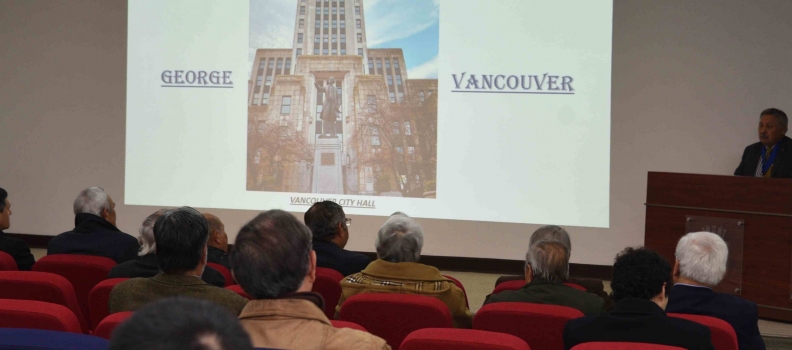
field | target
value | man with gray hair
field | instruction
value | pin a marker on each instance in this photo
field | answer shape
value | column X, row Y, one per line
column 768, row 157
column 701, row 259
column 397, row 270
column 95, row 231
column 546, row 270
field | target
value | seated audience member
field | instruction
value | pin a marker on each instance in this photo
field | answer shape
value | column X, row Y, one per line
column 546, row 270
column 700, row 265
column 147, row 265
column 274, row 263
column 181, row 324
column 17, row 248
column 640, row 279
column 397, row 270
column 218, row 241
column 558, row 234
column 181, row 236
column 95, row 232
column 330, row 228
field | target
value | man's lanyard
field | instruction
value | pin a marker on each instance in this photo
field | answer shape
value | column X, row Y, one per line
column 768, row 162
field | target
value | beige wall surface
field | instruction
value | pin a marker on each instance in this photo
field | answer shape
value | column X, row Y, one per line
column 689, row 79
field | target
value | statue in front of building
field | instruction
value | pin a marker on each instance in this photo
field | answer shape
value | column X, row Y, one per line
column 331, row 106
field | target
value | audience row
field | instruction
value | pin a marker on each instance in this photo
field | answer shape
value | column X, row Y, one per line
column 275, row 256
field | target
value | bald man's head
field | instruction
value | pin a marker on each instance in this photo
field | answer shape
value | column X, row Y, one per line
column 217, row 235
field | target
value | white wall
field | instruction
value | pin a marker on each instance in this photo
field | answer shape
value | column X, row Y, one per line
column 689, row 79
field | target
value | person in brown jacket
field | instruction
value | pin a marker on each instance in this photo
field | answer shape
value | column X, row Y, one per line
column 397, row 270
column 273, row 262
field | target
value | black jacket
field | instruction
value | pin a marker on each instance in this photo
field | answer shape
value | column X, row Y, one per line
column 331, row 256
column 637, row 320
column 148, row 266
column 741, row 314
column 217, row 256
column 93, row 235
column 552, row 293
column 782, row 166
column 17, row 249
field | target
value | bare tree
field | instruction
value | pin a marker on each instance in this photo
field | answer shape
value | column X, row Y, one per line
column 271, row 146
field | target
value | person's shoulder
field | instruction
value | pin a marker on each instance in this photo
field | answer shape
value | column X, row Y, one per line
column 583, row 322
column 735, row 303
column 506, row 296
column 348, row 338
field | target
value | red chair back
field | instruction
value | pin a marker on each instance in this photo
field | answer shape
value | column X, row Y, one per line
column 7, row 262
column 393, row 316
column 99, row 300
column 345, row 324
column 623, row 346
column 238, row 289
column 539, row 325
column 576, row 286
column 83, row 271
column 41, row 286
column 461, row 339
column 722, row 333
column 37, row 315
column 328, row 284
column 108, row 325
column 459, row 284
column 509, row 285
column 229, row 278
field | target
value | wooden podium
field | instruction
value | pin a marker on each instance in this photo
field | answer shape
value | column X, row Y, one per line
column 763, row 207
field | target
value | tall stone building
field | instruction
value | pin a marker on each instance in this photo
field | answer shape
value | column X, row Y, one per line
column 383, row 138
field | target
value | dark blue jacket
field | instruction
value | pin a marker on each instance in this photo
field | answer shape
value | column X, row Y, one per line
column 19, row 250
column 93, row 235
column 741, row 314
column 331, row 256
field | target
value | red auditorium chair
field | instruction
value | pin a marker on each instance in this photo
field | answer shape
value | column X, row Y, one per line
column 229, row 278
column 459, row 284
column 328, row 284
column 622, row 346
column 7, row 262
column 41, row 286
column 238, row 289
column 539, row 325
column 393, row 316
column 37, row 315
column 509, row 285
column 83, row 271
column 345, row 324
column 722, row 333
column 99, row 300
column 461, row 339
column 108, row 325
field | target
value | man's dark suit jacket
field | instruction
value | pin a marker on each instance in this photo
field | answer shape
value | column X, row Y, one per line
column 93, row 235
column 592, row 285
column 551, row 293
column 638, row 321
column 331, row 256
column 782, row 166
column 148, row 266
column 17, row 249
column 741, row 314
column 217, row 256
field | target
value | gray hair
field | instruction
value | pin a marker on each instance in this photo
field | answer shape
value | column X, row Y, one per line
column 147, row 243
column 549, row 261
column 551, row 233
column 400, row 239
column 702, row 257
column 92, row 201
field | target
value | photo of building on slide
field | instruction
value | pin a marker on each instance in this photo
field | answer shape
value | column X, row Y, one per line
column 341, row 101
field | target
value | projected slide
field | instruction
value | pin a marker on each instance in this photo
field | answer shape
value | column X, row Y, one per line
column 470, row 110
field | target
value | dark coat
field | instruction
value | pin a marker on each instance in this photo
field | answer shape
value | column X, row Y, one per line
column 551, row 293
column 218, row 256
column 782, row 166
column 19, row 250
column 148, row 266
column 331, row 256
column 93, row 235
column 592, row 285
column 637, row 320
column 741, row 314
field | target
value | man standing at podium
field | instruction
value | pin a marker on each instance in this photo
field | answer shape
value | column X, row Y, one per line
column 769, row 157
